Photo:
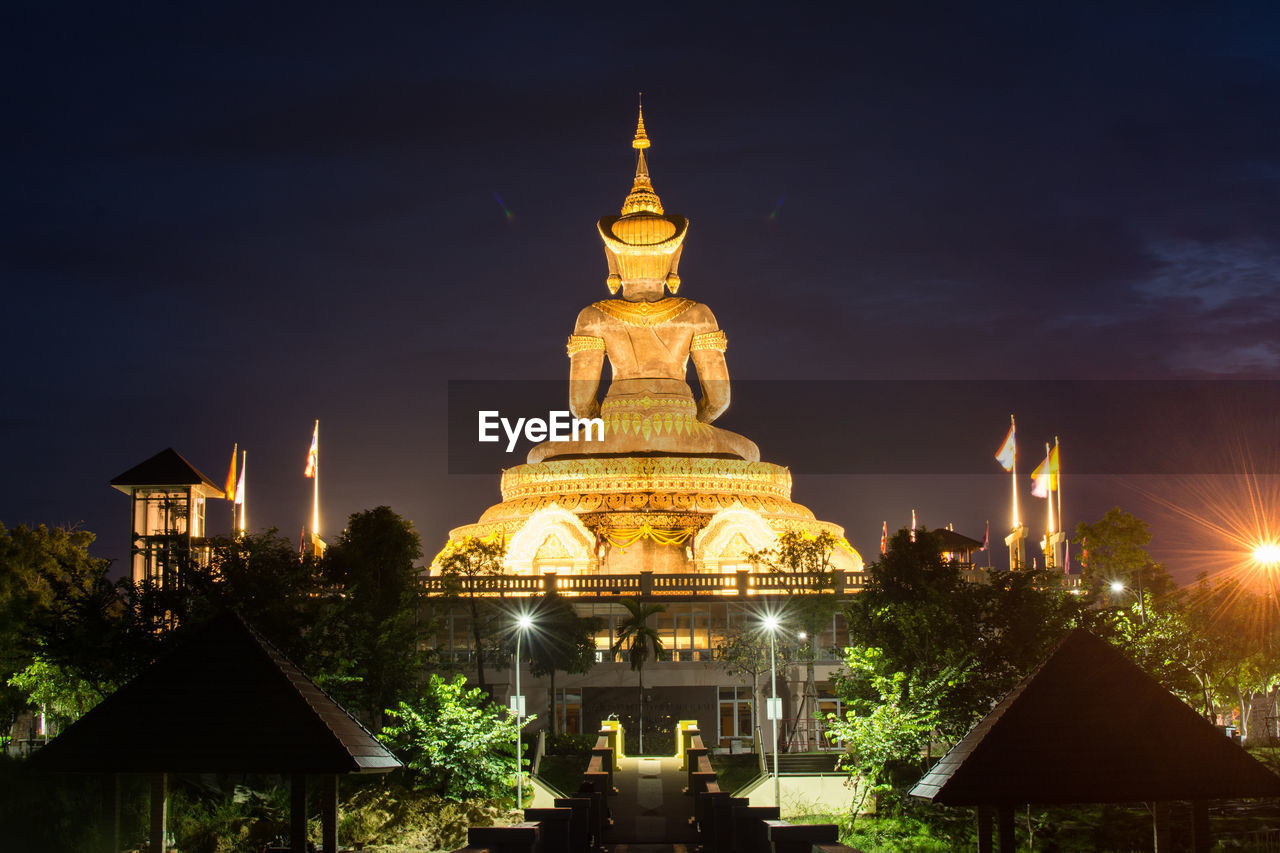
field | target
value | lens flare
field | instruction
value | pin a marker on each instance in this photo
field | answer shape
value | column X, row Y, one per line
column 1267, row 555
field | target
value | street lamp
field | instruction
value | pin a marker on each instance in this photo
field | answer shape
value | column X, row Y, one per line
column 775, row 704
column 517, row 706
column 1118, row 587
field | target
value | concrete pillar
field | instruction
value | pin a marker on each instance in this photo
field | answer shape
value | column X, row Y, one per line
column 159, row 810
column 799, row 838
column 1200, row 840
column 579, row 821
column 1004, row 822
column 986, row 837
column 329, row 814
column 1162, row 827
column 298, row 811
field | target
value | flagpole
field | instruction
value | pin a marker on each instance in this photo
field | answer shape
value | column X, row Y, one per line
column 1014, row 471
column 315, row 488
column 241, row 490
column 1057, row 449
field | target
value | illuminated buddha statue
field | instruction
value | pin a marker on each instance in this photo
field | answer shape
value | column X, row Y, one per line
column 648, row 338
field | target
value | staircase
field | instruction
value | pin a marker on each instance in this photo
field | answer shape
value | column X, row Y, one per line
column 803, row 763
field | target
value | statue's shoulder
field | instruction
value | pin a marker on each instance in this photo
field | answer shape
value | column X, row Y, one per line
column 590, row 320
column 699, row 316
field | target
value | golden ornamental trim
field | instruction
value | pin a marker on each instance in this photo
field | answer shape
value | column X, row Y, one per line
column 646, row 474
column 645, row 313
column 716, row 340
column 584, row 343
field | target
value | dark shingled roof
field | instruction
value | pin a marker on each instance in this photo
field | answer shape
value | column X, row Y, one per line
column 952, row 541
column 166, row 468
column 224, row 700
column 1089, row 726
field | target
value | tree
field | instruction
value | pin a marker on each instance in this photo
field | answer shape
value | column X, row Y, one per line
column 928, row 623
column 46, row 574
column 375, row 623
column 560, row 641
column 458, row 741
column 885, row 721
column 56, row 690
column 809, row 559
column 1114, row 550
column 640, row 641
column 465, row 566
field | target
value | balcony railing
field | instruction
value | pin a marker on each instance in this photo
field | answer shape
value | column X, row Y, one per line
column 686, row 585
column 649, row 584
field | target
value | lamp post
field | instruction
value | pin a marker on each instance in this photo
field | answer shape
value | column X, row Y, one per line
column 1118, row 587
column 517, row 705
column 775, row 704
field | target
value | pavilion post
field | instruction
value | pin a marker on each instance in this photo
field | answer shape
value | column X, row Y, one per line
column 111, row 813
column 1200, row 840
column 298, row 812
column 1004, row 822
column 1162, row 827
column 159, row 811
column 986, row 838
column 329, row 814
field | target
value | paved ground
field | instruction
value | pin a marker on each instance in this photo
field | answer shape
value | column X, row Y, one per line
column 650, row 814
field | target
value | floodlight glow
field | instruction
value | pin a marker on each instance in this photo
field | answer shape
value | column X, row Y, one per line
column 803, row 635
column 1116, row 586
column 771, row 623
column 1267, row 554
column 524, row 621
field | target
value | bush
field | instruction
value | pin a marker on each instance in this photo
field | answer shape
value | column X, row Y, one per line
column 571, row 744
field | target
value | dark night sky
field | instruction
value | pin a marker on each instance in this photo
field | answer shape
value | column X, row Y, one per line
column 223, row 222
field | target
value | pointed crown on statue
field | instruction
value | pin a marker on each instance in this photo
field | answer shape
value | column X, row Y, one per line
column 642, row 244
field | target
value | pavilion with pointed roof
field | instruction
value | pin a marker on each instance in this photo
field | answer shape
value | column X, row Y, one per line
column 223, row 700
column 1089, row 726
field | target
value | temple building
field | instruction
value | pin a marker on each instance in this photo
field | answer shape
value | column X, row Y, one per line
column 660, row 505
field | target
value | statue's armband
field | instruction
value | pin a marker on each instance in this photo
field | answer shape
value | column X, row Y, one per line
column 710, row 340
column 584, row 343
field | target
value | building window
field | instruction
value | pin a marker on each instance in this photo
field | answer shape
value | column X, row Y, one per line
column 569, row 709
column 737, row 717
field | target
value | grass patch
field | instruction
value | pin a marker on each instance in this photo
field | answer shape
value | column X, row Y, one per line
column 563, row 772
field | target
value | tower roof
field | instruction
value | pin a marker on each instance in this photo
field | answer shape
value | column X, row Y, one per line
column 223, row 700
column 166, row 468
column 1089, row 726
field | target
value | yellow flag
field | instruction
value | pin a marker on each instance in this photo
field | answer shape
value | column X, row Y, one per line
column 231, row 475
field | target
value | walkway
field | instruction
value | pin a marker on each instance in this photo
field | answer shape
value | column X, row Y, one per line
column 650, row 812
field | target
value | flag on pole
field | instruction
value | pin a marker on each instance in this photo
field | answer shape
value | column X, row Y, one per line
column 313, row 455
column 1046, row 475
column 231, row 475
column 913, row 525
column 239, row 498
column 884, row 538
column 1008, row 451
column 986, row 538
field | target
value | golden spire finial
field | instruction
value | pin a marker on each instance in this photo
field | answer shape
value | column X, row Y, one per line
column 642, row 197
column 641, row 140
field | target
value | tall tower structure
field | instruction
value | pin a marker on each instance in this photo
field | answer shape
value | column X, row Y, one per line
column 167, row 497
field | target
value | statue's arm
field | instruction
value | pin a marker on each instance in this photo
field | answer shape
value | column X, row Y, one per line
column 586, row 358
column 707, row 348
